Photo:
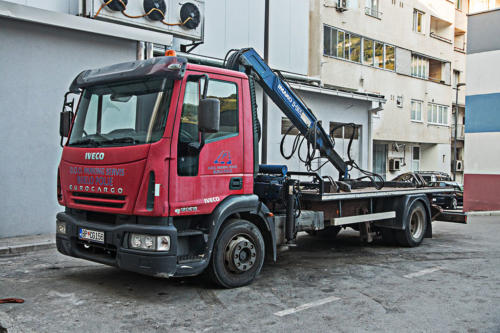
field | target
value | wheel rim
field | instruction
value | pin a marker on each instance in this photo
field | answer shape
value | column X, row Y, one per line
column 240, row 255
column 455, row 203
column 417, row 224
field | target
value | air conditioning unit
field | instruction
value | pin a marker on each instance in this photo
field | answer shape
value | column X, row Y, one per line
column 394, row 164
column 183, row 19
column 457, row 165
column 341, row 5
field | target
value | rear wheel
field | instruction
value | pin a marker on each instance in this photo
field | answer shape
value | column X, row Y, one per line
column 238, row 254
column 415, row 226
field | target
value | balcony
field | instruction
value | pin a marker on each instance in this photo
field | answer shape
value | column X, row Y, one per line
column 373, row 11
column 441, row 30
column 460, row 41
column 460, row 132
column 441, row 38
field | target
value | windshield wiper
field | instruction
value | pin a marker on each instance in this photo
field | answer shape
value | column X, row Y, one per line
column 86, row 142
column 127, row 139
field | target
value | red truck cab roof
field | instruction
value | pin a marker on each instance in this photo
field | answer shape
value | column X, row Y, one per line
column 216, row 70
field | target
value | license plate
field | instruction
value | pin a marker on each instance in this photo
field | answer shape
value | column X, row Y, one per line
column 91, row 235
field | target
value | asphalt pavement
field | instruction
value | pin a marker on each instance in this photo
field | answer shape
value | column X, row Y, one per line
column 451, row 283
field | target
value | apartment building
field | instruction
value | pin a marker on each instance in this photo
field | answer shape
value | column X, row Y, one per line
column 413, row 53
column 482, row 129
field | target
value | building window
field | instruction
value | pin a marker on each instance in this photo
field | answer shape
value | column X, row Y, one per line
column 372, row 8
column 481, row 5
column 437, row 114
column 458, row 4
column 344, row 132
column 355, row 48
column 415, row 162
column 367, row 51
column 417, row 21
column 340, row 44
column 327, row 41
column 344, row 45
column 379, row 55
column 399, row 101
column 419, row 66
column 288, row 128
column 389, row 57
column 416, row 110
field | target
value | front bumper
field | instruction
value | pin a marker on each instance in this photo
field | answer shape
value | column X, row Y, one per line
column 115, row 251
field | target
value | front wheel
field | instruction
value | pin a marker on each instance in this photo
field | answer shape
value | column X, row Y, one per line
column 238, row 254
column 415, row 226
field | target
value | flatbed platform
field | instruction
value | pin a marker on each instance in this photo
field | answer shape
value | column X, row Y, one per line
column 366, row 193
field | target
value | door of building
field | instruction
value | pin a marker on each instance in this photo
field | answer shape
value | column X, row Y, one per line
column 380, row 159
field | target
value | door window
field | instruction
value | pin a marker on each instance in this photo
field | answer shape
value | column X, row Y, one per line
column 227, row 93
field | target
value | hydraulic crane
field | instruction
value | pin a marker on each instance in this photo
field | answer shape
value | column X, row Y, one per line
column 249, row 61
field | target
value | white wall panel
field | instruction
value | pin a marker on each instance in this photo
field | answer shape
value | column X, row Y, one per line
column 289, row 35
column 232, row 24
column 482, row 153
column 483, row 73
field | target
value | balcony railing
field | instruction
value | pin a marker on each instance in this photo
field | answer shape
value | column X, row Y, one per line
column 441, row 38
column 372, row 11
column 460, row 132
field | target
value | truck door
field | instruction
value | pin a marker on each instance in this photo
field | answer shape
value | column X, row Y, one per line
column 200, row 180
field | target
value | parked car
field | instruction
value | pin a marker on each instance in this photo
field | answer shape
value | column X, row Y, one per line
column 448, row 200
column 434, row 176
column 411, row 177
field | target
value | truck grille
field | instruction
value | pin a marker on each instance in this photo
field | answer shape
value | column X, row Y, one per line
column 98, row 200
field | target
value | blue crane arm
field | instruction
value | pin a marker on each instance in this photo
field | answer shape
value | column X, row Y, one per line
column 291, row 105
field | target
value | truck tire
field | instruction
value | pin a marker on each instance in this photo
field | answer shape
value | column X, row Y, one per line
column 238, row 254
column 415, row 226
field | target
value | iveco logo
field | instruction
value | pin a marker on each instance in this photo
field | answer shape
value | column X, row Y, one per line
column 94, row 156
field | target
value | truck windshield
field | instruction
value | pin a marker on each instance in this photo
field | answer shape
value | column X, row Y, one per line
column 119, row 114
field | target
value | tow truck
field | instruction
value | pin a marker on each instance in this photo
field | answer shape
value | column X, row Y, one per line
column 160, row 174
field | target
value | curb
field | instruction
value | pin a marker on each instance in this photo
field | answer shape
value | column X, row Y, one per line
column 24, row 248
column 485, row 213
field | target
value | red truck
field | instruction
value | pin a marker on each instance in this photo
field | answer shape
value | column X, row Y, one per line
column 160, row 175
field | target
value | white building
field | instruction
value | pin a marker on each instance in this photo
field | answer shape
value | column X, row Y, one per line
column 406, row 51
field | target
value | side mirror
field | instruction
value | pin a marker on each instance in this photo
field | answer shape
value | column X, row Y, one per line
column 209, row 115
column 65, row 119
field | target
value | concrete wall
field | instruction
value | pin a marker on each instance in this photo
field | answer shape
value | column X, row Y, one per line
column 38, row 64
column 482, row 113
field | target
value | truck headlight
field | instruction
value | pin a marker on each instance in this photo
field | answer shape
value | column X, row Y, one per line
column 142, row 242
column 163, row 243
column 61, row 227
column 150, row 242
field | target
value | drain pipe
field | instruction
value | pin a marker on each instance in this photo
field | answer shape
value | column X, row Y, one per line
column 140, row 51
column 149, row 50
column 264, row 97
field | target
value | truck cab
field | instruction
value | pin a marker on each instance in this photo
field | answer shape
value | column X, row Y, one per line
column 149, row 172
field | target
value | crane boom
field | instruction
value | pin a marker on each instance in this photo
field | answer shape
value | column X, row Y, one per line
column 291, row 105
